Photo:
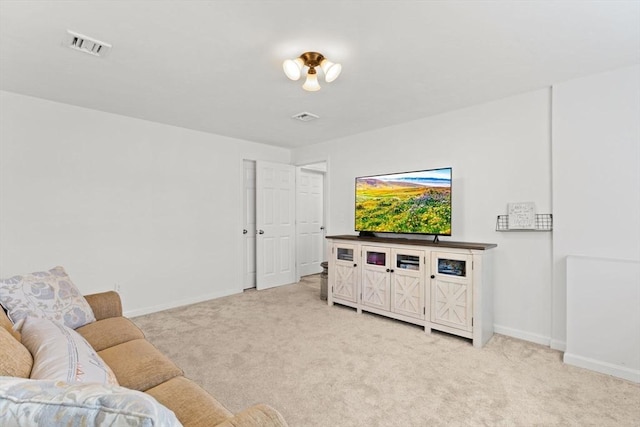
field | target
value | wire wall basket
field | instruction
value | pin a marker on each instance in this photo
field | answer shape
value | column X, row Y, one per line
column 544, row 222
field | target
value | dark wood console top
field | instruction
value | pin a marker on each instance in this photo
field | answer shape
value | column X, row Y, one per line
column 416, row 242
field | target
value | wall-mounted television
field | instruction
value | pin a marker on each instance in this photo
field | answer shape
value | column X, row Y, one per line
column 417, row 202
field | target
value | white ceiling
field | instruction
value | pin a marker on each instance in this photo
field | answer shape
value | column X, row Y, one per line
column 215, row 66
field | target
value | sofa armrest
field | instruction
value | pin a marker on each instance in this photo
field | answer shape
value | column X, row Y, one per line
column 105, row 304
column 256, row 416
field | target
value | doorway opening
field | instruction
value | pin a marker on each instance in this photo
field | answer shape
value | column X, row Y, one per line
column 310, row 214
column 308, row 217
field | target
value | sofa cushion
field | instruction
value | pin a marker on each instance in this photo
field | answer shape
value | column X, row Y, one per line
column 192, row 405
column 110, row 332
column 46, row 294
column 257, row 415
column 45, row 402
column 139, row 365
column 60, row 353
column 15, row 359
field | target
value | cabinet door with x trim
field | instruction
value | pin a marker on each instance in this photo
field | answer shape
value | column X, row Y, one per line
column 451, row 290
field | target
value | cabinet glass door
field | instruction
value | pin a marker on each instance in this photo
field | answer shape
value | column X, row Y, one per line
column 376, row 258
column 407, row 262
column 452, row 267
column 344, row 254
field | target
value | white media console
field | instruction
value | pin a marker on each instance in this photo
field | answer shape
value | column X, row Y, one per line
column 446, row 286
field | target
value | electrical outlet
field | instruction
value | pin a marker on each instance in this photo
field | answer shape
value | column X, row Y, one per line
column 116, row 287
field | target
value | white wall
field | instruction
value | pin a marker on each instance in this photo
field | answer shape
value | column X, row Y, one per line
column 596, row 174
column 152, row 208
column 500, row 152
column 603, row 316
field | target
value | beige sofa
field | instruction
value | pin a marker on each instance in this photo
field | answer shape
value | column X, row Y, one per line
column 138, row 365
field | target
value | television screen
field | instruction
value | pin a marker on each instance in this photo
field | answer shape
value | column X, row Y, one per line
column 407, row 202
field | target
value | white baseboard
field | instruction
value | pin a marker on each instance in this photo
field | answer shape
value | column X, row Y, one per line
column 179, row 303
column 603, row 367
column 559, row 345
column 523, row 335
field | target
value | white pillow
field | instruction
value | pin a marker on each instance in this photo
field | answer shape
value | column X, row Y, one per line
column 60, row 353
column 47, row 294
column 25, row 402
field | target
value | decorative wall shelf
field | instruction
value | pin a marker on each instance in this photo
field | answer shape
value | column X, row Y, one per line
column 544, row 222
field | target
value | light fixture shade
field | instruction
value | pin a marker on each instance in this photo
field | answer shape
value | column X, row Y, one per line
column 292, row 68
column 331, row 70
column 311, row 84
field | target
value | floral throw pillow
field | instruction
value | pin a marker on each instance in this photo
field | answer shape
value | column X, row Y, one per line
column 46, row 294
column 25, row 402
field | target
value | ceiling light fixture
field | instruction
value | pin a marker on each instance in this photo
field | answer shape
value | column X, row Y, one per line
column 312, row 60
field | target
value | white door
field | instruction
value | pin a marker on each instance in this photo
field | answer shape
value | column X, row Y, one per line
column 309, row 221
column 275, row 223
column 249, row 225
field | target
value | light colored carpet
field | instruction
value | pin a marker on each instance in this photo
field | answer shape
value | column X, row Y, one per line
column 328, row 366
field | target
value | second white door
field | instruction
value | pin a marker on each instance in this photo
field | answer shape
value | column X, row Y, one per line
column 309, row 220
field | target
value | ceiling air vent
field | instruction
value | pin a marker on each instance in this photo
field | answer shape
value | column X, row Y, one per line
column 305, row 117
column 86, row 44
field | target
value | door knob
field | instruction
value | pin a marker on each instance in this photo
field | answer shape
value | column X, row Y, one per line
column 322, row 227
column 244, row 231
column 260, row 231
